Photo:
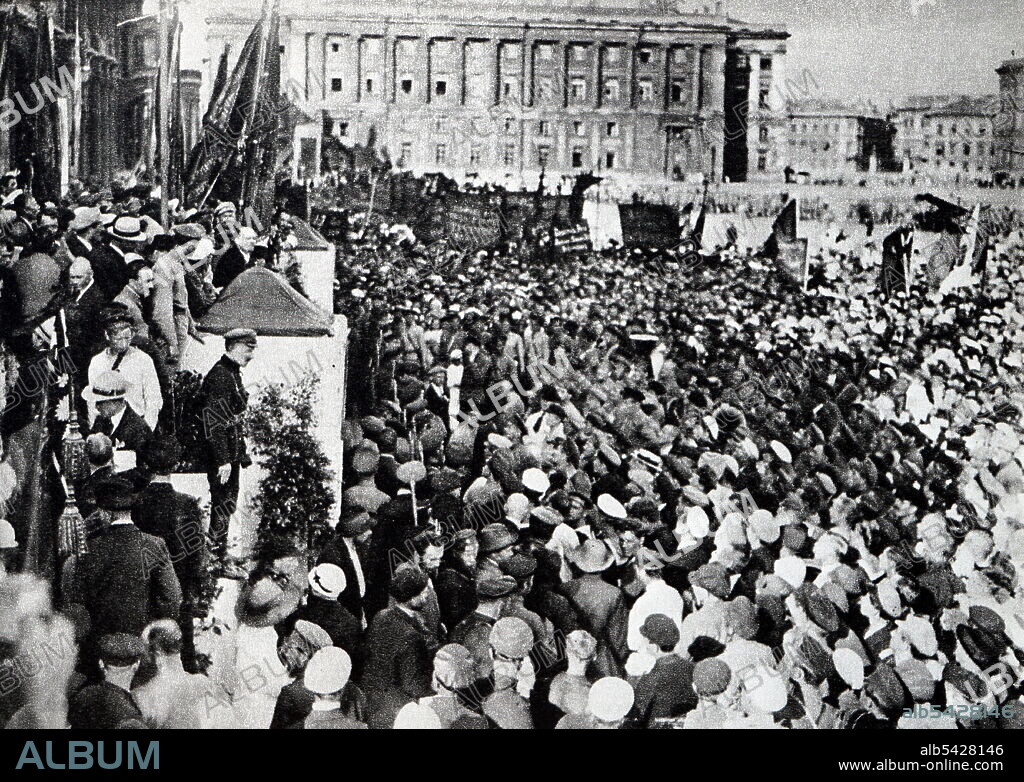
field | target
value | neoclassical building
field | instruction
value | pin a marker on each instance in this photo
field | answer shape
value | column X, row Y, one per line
column 649, row 90
column 1009, row 163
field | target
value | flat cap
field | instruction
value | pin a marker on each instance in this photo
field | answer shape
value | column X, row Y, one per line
column 495, row 537
column 120, row 649
column 328, row 671
column 711, row 677
column 248, row 336
column 494, row 588
column 407, row 583
column 660, row 631
column 511, row 637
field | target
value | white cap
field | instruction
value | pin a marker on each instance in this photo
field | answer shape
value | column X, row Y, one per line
column 327, row 581
column 204, row 249
column 536, row 480
column 792, row 570
column 610, row 506
column 328, row 671
column 7, row 537
column 781, row 451
column 415, row 716
column 610, row 699
column 517, row 507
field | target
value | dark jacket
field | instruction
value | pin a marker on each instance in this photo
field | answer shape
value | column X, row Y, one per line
column 84, row 327
column 131, row 430
column 85, row 490
column 664, row 691
column 295, row 704
column 343, row 628
column 228, row 266
column 399, row 665
column 109, row 270
column 178, row 520
column 456, row 594
column 337, row 553
column 126, row 581
column 102, row 706
column 223, row 400
column 602, row 611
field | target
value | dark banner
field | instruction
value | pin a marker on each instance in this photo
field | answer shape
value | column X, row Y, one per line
column 473, row 222
column 649, row 225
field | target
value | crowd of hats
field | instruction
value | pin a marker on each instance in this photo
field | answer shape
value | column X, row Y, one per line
column 837, row 465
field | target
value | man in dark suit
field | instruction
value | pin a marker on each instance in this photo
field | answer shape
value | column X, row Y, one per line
column 236, row 258
column 177, row 519
column 81, row 320
column 346, row 550
column 477, row 376
column 667, row 689
column 400, row 651
column 114, row 417
column 322, row 608
column 109, row 260
column 223, row 400
column 601, row 607
column 99, row 452
column 126, row 580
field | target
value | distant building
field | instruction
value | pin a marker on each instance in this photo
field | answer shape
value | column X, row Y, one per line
column 828, row 139
column 644, row 89
column 1009, row 125
column 98, row 150
column 945, row 137
column 140, row 63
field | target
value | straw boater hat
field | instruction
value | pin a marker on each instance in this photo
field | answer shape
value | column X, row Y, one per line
column 109, row 387
column 593, row 556
column 128, row 229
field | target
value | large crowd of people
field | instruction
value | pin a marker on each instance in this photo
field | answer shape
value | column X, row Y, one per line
column 604, row 490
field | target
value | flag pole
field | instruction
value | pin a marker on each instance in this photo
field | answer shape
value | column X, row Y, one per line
column 906, row 274
column 261, row 63
column 163, row 74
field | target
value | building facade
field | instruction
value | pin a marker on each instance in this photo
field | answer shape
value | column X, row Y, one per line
column 828, row 140
column 95, row 141
column 140, row 65
column 1009, row 157
column 646, row 91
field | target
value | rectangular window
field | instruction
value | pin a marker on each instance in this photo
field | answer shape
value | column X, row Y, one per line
column 613, row 55
column 645, row 91
column 369, row 86
column 474, row 155
column 342, row 129
column 407, row 86
column 510, row 124
column 579, row 128
column 508, row 156
column 762, row 99
column 677, row 92
column 406, row 156
column 609, row 160
column 544, row 128
column 543, row 153
column 440, row 87
column 335, row 48
column 763, row 134
column 611, row 89
column 578, row 88
column 335, row 85
column 545, row 52
column 577, row 157
column 766, row 63
column 762, row 162
column 612, row 130
column 579, row 53
column 679, row 56
column 545, row 89
column 441, row 153
column 643, row 56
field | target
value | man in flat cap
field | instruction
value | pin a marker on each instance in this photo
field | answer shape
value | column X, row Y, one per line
column 666, row 690
column 400, row 650
column 474, row 631
column 109, row 704
column 223, row 400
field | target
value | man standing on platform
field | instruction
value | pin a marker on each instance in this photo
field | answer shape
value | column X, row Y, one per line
column 224, row 400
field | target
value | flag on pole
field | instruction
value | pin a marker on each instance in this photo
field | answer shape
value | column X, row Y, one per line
column 963, row 275
column 784, row 229
column 45, row 123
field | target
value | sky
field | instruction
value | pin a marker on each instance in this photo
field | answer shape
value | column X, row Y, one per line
column 878, row 50
column 887, row 49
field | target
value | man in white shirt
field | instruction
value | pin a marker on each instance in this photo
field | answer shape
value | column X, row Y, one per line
column 143, row 386
column 658, row 598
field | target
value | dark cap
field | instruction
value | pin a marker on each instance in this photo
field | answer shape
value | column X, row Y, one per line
column 408, row 583
column 246, row 336
column 494, row 588
column 120, row 649
column 660, row 631
column 519, row 566
column 495, row 537
column 115, row 493
column 162, row 455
